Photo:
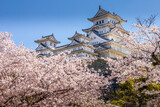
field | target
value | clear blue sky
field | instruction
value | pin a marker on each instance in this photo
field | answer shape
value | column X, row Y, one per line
column 29, row 20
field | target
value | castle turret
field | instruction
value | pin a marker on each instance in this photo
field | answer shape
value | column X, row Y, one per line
column 46, row 44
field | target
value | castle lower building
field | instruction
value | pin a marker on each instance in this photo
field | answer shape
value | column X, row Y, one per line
column 101, row 39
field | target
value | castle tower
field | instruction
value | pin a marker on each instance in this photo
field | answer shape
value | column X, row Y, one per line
column 46, row 44
column 104, row 36
column 101, row 40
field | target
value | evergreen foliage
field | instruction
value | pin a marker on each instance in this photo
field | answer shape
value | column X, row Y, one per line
column 100, row 64
column 128, row 95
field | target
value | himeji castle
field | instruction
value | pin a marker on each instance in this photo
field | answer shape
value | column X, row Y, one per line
column 101, row 39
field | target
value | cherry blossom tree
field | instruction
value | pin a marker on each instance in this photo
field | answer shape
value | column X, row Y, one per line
column 138, row 73
column 26, row 80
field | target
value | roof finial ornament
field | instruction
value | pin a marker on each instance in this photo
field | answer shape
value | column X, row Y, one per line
column 99, row 6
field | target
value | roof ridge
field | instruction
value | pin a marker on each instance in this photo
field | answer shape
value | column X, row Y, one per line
column 101, row 12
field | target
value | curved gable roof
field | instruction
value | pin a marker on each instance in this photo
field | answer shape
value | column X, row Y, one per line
column 100, row 12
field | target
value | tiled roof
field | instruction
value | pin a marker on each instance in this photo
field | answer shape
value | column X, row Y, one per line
column 46, row 47
column 76, row 35
column 100, row 12
column 63, row 46
column 45, row 38
column 99, row 35
column 98, row 25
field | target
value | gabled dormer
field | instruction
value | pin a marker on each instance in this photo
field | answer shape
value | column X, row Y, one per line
column 46, row 45
column 79, row 38
column 47, row 42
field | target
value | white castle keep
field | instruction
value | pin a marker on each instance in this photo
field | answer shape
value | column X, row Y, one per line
column 101, row 39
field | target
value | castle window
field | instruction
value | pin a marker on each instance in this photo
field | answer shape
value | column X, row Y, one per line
column 97, row 23
column 102, row 21
column 50, row 44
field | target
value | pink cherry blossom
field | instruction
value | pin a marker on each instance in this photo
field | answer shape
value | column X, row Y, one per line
column 26, row 80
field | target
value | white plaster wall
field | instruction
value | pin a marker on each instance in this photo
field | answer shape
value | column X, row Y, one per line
column 106, row 20
column 116, row 48
column 82, row 40
column 111, row 19
column 114, row 38
column 103, row 30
